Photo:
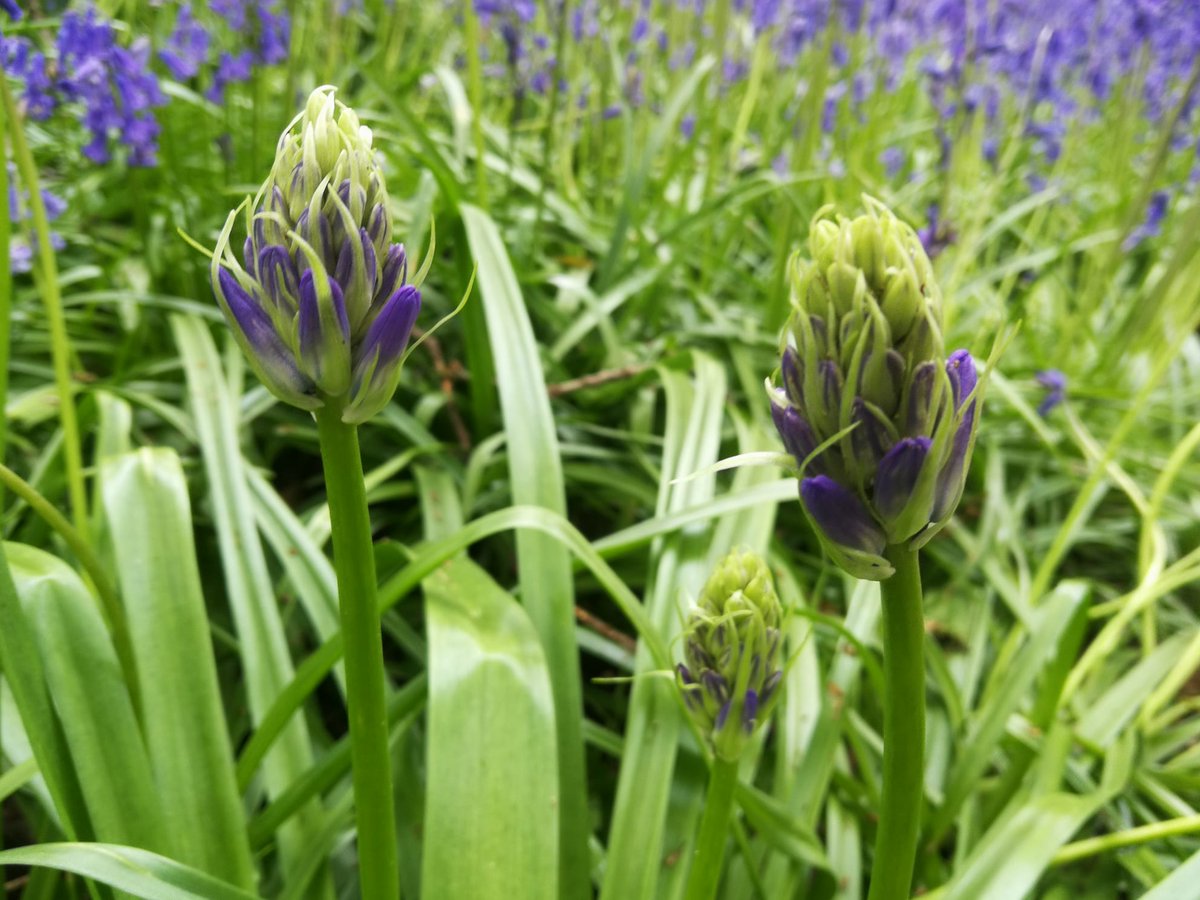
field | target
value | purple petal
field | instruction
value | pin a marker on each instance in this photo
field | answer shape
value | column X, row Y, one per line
column 897, row 475
column 311, row 332
column 390, row 330
column 919, row 405
column 264, row 341
column 963, row 378
column 749, row 711
column 840, row 515
column 277, row 275
column 793, row 383
column 796, row 434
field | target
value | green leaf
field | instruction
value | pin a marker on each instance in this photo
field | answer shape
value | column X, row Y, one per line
column 1012, row 856
column 544, row 566
column 189, row 747
column 25, row 676
column 643, row 832
column 91, row 699
column 1180, row 884
column 266, row 662
column 139, row 872
column 490, row 829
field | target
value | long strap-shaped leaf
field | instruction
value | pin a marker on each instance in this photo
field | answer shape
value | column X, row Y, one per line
column 544, row 566
column 678, row 564
column 265, row 657
column 139, row 872
column 490, row 831
column 189, row 748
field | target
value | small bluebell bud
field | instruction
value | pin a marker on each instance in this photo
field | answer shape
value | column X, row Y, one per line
column 730, row 674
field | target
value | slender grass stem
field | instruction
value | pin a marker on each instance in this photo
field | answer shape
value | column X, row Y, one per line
column 5, row 295
column 903, row 729
column 60, row 345
column 474, row 38
column 354, row 561
column 1128, row 838
column 709, row 855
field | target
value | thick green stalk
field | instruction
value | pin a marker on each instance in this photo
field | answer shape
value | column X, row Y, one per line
column 709, row 855
column 354, row 560
column 60, row 345
column 903, row 729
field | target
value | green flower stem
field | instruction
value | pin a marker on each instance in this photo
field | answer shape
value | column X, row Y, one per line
column 354, row 560
column 903, row 729
column 474, row 40
column 709, row 854
column 60, row 345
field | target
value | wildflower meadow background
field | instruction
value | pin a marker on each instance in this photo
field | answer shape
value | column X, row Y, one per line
column 555, row 489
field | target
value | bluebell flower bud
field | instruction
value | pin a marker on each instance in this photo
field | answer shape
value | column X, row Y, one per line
column 880, row 423
column 320, row 301
column 730, row 674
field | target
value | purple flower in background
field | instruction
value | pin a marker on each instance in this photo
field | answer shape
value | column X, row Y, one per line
column 687, row 127
column 231, row 69
column 113, row 84
column 187, row 48
column 1054, row 383
column 893, row 161
column 20, row 251
column 10, row 7
column 1156, row 211
column 274, row 36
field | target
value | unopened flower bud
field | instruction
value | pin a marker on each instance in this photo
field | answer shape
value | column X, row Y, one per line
column 730, row 674
column 320, row 302
column 864, row 378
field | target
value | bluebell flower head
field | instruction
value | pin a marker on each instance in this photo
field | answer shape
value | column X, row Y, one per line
column 730, row 675
column 880, row 422
column 320, row 301
column 1054, row 383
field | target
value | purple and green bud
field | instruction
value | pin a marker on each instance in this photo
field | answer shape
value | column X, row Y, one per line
column 880, row 422
column 730, row 675
column 320, row 301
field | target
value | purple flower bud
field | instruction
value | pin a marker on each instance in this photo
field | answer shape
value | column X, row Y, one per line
column 797, row 435
column 722, row 716
column 963, row 378
column 749, row 711
column 840, row 515
column 266, row 349
column 277, row 275
column 790, row 370
column 377, row 359
column 918, row 411
column 1055, row 384
column 897, row 475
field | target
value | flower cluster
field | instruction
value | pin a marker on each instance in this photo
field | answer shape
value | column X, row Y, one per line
column 321, row 302
column 880, row 424
column 730, row 675
column 20, row 250
column 259, row 33
column 111, row 84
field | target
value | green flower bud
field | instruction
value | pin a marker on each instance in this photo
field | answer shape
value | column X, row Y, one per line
column 865, row 378
column 730, row 676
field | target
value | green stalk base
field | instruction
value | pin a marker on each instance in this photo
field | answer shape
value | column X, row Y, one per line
column 709, row 855
column 354, row 560
column 903, row 729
